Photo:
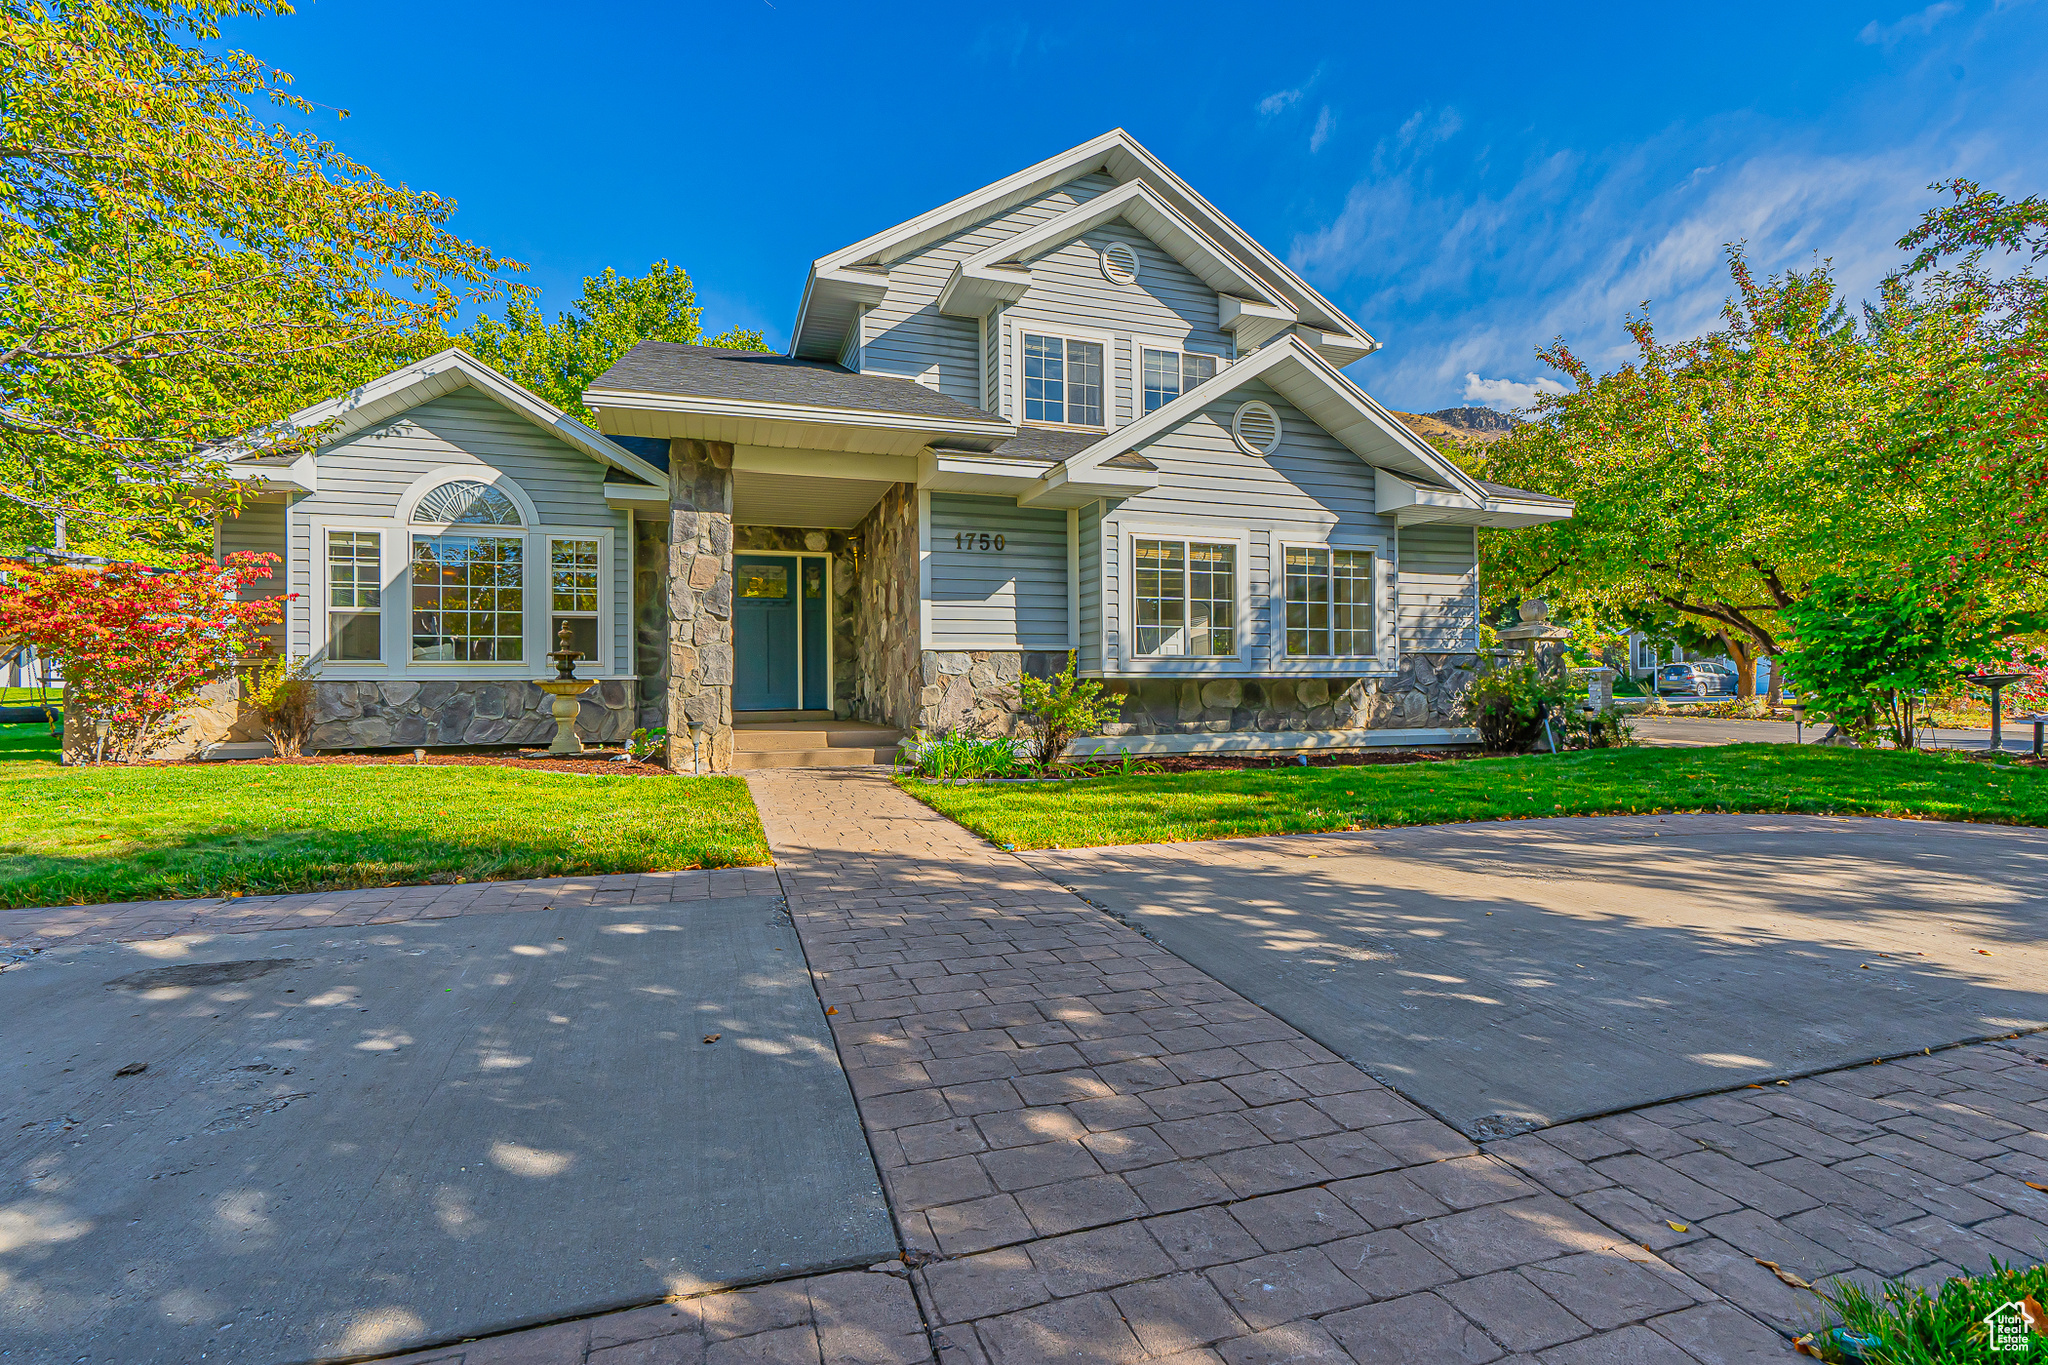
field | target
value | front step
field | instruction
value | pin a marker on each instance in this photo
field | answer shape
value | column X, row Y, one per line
column 812, row 744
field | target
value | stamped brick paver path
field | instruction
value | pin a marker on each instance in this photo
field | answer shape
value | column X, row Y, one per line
column 1094, row 1152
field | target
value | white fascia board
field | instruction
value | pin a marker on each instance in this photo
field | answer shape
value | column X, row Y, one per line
column 622, row 495
column 830, row 464
column 1000, row 273
column 1121, row 156
column 301, row 475
column 444, row 373
column 956, row 472
column 1393, row 496
column 1062, row 487
column 628, row 399
column 1288, row 356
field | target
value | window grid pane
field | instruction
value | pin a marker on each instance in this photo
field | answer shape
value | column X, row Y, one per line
column 1084, row 383
column 1162, row 378
column 572, row 568
column 1161, row 597
column 1195, row 369
column 352, row 569
column 1212, row 600
column 1045, row 391
column 1351, row 601
column 1308, row 602
column 468, row 599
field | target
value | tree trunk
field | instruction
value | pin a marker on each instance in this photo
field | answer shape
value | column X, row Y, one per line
column 1744, row 655
column 1777, row 690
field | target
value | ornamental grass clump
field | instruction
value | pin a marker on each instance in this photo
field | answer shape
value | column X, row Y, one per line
column 1991, row 1319
column 967, row 756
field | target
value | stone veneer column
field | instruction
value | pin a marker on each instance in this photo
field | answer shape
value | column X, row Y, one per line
column 700, row 602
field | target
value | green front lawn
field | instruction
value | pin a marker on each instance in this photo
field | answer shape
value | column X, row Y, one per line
column 84, row 835
column 1736, row 777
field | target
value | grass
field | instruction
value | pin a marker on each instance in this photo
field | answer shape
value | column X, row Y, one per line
column 31, row 743
column 1736, row 777
column 1903, row 1324
column 85, row 835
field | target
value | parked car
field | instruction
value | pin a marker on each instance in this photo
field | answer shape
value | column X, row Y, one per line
column 1699, row 679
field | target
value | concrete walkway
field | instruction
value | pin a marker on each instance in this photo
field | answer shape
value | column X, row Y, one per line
column 1095, row 1152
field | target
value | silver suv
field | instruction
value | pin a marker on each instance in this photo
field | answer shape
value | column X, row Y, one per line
column 1700, row 679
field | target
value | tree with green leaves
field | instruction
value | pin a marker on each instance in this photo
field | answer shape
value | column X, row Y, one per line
column 558, row 359
column 179, row 271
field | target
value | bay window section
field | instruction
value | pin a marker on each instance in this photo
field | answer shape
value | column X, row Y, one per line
column 1185, row 594
column 1169, row 374
column 355, row 596
column 468, row 598
column 572, row 590
column 1328, row 602
column 1062, row 380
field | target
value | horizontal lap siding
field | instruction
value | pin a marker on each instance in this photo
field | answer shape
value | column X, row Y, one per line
column 366, row 474
column 1312, row 489
column 1013, row 596
column 907, row 336
column 260, row 528
column 1167, row 302
column 1439, row 588
column 1089, row 646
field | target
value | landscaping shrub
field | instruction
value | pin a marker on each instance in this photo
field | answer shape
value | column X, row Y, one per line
column 964, row 755
column 1508, row 702
column 280, row 690
column 1066, row 708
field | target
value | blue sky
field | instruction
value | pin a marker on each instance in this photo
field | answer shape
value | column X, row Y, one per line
column 1467, row 181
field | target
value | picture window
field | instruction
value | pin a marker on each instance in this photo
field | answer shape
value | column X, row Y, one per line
column 1186, row 598
column 468, row 599
column 1328, row 602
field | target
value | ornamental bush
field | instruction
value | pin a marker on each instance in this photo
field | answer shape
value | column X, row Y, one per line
column 136, row 644
column 1508, row 702
column 1065, row 708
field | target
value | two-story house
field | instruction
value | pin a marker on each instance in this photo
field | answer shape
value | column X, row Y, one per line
column 1076, row 411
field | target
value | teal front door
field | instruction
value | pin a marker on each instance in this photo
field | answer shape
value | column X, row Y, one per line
column 767, row 675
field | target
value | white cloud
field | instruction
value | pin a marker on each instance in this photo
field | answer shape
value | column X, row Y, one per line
column 1916, row 25
column 1321, row 134
column 1481, row 270
column 1507, row 394
column 1279, row 102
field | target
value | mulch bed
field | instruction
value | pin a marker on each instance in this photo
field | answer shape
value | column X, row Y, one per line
column 1201, row 763
column 601, row 763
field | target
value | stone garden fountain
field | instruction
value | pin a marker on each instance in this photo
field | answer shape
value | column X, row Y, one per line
column 564, row 687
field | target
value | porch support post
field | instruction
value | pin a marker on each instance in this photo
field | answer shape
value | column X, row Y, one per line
column 700, row 606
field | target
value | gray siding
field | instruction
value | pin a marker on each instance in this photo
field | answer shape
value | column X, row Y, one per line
column 1088, row 654
column 1312, row 489
column 1167, row 302
column 908, row 337
column 1439, row 588
column 260, row 528
column 1015, row 596
column 365, row 475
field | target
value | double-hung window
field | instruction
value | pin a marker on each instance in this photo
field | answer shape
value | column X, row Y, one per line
column 354, row 596
column 1186, row 598
column 1062, row 380
column 1169, row 374
column 572, row 586
column 1329, row 602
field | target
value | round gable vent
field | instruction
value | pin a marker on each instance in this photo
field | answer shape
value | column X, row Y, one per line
column 1257, row 428
column 1120, row 263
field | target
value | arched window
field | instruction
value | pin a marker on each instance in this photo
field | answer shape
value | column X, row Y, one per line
column 468, row 588
column 466, row 503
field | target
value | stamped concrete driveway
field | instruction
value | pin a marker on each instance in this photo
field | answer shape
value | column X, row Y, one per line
column 1511, row 975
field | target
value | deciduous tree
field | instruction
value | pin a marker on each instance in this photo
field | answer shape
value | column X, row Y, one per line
column 179, row 271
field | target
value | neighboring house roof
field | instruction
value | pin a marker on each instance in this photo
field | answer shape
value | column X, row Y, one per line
column 761, row 376
column 839, row 284
column 406, row 388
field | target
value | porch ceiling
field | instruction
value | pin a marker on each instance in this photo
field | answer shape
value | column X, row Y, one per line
column 767, row 499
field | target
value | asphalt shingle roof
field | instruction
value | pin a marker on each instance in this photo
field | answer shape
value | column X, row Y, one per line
column 763, row 377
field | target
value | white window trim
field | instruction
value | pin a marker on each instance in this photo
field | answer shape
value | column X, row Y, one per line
column 1140, row 344
column 1130, row 530
column 1384, row 604
column 396, row 624
column 1014, row 363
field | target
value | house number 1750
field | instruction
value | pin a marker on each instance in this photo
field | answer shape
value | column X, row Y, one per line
column 969, row 540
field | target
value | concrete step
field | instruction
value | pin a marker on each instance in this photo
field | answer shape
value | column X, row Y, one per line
column 745, row 761
column 776, row 717
column 805, row 735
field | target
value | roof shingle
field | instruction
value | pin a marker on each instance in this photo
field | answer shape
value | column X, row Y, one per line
column 763, row 377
